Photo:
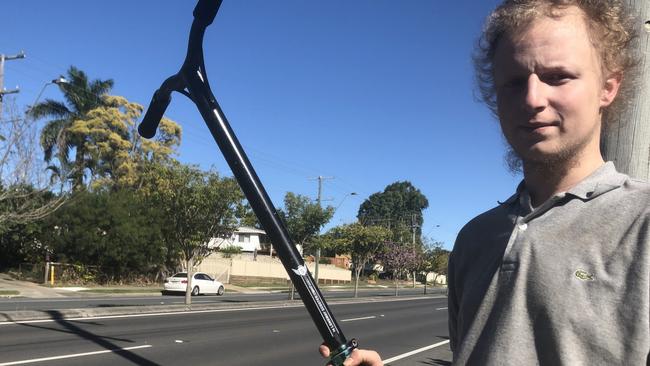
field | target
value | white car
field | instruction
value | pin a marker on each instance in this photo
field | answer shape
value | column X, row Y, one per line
column 201, row 284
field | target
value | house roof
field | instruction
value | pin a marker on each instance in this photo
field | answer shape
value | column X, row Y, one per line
column 249, row 230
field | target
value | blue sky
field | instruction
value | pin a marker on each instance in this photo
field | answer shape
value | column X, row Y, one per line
column 366, row 91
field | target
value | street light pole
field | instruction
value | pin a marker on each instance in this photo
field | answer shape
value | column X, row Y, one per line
column 58, row 81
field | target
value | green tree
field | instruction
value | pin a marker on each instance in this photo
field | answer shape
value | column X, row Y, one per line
column 436, row 260
column 361, row 242
column 117, row 231
column 120, row 155
column 304, row 219
column 399, row 208
column 19, row 226
column 197, row 206
column 57, row 139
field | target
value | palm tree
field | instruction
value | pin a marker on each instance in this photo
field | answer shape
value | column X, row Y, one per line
column 81, row 96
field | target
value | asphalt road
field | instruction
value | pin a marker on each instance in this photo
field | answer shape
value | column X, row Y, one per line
column 18, row 304
column 271, row 336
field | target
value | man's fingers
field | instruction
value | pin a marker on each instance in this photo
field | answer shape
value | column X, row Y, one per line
column 362, row 357
column 324, row 350
column 358, row 357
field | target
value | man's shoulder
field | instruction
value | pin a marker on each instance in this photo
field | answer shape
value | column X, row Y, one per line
column 637, row 186
column 487, row 226
column 634, row 194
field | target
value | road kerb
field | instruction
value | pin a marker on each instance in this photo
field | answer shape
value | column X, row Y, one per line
column 9, row 317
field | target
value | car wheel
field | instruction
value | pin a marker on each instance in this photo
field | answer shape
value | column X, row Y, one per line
column 195, row 291
column 220, row 291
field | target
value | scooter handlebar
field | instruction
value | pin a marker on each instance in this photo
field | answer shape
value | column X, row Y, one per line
column 205, row 11
column 157, row 107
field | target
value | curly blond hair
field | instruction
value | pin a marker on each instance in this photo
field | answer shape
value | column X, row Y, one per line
column 611, row 29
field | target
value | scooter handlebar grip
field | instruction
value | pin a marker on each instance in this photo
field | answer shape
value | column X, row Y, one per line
column 157, row 107
column 205, row 11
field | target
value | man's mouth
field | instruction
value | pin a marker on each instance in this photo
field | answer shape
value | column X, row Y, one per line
column 539, row 126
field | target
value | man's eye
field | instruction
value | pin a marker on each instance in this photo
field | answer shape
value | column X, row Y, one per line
column 515, row 83
column 556, row 79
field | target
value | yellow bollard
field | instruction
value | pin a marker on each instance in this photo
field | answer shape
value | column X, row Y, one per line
column 52, row 275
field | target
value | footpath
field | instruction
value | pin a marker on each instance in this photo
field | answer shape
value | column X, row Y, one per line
column 11, row 287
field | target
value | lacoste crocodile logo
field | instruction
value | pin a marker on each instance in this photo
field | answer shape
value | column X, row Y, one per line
column 584, row 275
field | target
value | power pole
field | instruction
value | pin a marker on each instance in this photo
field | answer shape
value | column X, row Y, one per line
column 414, row 227
column 4, row 58
column 627, row 141
column 319, row 200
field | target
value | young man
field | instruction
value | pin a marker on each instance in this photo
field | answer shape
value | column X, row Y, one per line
column 558, row 274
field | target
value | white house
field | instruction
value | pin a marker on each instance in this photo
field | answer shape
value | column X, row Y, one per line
column 245, row 237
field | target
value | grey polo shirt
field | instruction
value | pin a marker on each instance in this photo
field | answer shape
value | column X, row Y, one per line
column 566, row 283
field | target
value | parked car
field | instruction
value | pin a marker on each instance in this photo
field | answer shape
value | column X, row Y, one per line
column 201, row 283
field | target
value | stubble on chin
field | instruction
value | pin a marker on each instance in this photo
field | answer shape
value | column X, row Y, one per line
column 552, row 163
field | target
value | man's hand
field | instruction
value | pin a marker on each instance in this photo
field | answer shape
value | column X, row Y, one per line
column 359, row 357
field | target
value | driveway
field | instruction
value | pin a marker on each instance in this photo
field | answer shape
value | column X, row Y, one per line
column 26, row 288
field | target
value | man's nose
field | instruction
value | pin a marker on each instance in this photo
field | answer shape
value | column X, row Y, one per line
column 536, row 98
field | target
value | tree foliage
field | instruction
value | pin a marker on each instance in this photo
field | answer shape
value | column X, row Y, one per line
column 58, row 137
column 435, row 260
column 119, row 153
column 304, row 219
column 197, row 206
column 361, row 242
column 399, row 259
column 25, row 191
column 118, row 231
column 399, row 208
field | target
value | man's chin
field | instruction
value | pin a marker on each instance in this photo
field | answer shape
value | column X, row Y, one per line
column 547, row 160
column 537, row 158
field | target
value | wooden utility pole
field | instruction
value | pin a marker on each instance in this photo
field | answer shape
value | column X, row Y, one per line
column 627, row 141
column 3, row 91
column 320, row 190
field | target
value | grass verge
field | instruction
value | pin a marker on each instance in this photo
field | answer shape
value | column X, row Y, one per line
column 122, row 290
column 9, row 292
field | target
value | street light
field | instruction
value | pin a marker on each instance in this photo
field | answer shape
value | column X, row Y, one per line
column 318, row 249
column 58, row 81
column 344, row 197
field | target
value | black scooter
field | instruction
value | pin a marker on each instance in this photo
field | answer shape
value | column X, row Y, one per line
column 192, row 81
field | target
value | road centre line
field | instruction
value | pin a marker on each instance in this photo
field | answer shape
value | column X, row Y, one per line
column 442, row 308
column 408, row 354
column 203, row 311
column 72, row 355
column 354, row 319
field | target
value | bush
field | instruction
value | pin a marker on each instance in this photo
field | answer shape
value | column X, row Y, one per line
column 229, row 251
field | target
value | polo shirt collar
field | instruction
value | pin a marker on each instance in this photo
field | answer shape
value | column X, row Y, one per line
column 602, row 180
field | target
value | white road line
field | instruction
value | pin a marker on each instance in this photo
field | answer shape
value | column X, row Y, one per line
column 72, row 355
column 203, row 311
column 404, row 355
column 364, row 318
column 441, row 309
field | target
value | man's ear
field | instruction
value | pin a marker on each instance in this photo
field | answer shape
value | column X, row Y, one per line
column 610, row 89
